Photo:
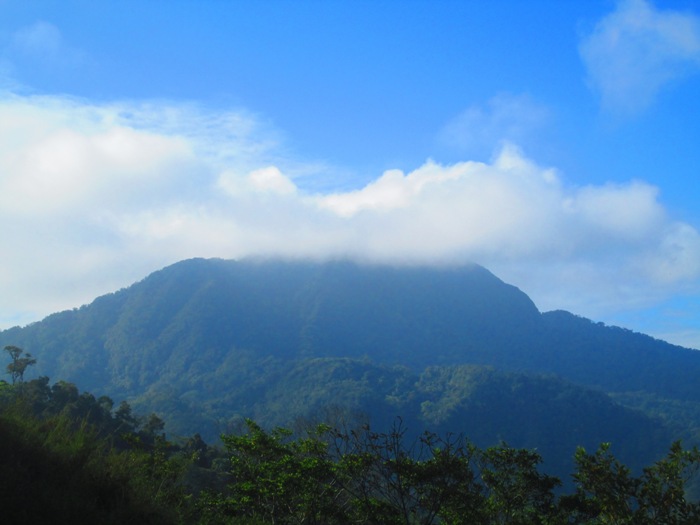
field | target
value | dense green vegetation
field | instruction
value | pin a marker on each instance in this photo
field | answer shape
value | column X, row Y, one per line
column 208, row 343
column 238, row 348
column 549, row 414
column 359, row 476
column 69, row 454
column 196, row 319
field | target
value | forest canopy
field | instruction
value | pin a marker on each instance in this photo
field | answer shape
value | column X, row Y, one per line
column 69, row 452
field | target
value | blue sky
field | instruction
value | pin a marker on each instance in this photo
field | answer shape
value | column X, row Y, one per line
column 555, row 143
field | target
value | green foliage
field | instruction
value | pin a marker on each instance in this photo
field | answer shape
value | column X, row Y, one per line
column 609, row 493
column 208, row 343
column 360, row 476
column 19, row 364
column 65, row 453
column 516, row 492
column 69, row 454
column 280, row 480
column 54, row 467
column 205, row 343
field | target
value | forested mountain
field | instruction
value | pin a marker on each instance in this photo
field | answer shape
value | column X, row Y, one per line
column 206, row 342
column 67, row 454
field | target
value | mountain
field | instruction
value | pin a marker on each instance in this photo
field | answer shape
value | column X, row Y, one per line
column 199, row 311
column 206, row 341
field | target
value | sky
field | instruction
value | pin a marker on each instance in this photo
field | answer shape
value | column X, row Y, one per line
column 555, row 143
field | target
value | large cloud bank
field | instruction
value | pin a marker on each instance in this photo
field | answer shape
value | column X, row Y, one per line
column 93, row 197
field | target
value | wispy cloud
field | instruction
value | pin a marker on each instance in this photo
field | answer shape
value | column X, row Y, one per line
column 93, row 197
column 39, row 47
column 40, row 40
column 637, row 50
column 504, row 118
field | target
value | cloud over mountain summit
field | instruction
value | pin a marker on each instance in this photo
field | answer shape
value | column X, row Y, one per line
column 103, row 194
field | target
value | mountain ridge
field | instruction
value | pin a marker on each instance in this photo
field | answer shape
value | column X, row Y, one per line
column 206, row 341
column 304, row 309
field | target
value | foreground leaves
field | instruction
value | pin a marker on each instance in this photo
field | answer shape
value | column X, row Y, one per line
column 360, row 476
column 62, row 452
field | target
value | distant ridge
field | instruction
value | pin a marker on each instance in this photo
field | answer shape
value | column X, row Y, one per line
column 413, row 316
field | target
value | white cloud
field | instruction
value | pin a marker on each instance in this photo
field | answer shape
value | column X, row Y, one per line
column 263, row 180
column 630, row 211
column 92, row 198
column 637, row 50
column 55, row 160
column 513, row 213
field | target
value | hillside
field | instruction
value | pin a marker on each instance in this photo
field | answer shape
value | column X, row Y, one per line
column 206, row 341
column 70, row 454
column 199, row 311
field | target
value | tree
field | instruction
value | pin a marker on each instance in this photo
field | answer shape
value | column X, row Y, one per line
column 359, row 476
column 153, row 427
column 392, row 480
column 662, row 495
column 127, row 423
column 608, row 492
column 281, row 480
column 19, row 364
column 517, row 493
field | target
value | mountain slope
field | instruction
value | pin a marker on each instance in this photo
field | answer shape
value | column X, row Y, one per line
column 206, row 341
column 192, row 315
column 199, row 310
